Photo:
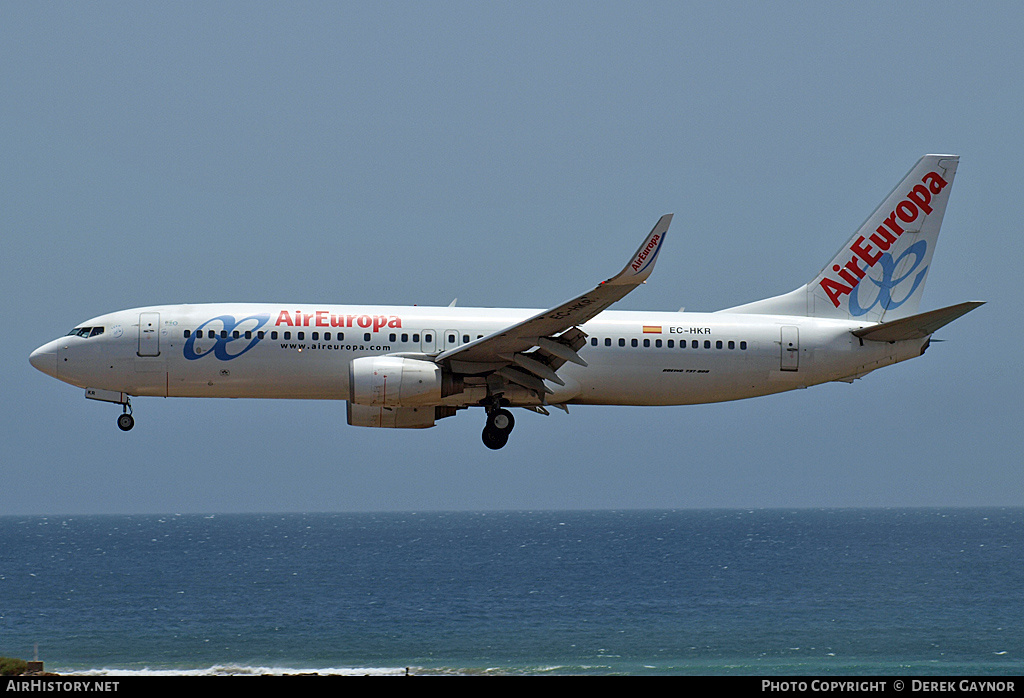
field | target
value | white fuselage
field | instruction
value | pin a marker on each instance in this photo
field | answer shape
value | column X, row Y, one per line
column 303, row 352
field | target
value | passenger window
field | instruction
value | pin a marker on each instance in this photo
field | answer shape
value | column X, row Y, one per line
column 415, row 337
column 633, row 342
column 405, row 336
column 235, row 335
column 248, row 334
column 451, row 339
column 693, row 344
column 465, row 339
column 657, row 343
column 732, row 344
column 273, row 335
column 593, row 341
column 647, row 343
column 743, row 345
column 187, row 333
column 426, row 338
column 707, row 343
column 607, row 341
column 671, row 343
column 327, row 336
column 366, row 336
column 622, row 342
column 718, row 344
column 301, row 335
column 260, row 334
column 316, row 336
column 287, row 335
column 392, row 337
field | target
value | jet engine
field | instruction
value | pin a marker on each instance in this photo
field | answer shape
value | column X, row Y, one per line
column 392, row 381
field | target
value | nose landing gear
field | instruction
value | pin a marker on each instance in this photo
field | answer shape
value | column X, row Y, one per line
column 499, row 425
column 125, row 421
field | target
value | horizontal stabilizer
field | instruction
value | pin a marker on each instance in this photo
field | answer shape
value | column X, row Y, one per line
column 915, row 326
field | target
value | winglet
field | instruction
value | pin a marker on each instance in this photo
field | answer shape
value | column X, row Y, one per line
column 642, row 264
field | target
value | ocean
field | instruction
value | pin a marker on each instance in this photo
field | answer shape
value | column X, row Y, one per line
column 853, row 592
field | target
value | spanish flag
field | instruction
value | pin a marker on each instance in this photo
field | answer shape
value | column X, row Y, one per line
column 652, row 329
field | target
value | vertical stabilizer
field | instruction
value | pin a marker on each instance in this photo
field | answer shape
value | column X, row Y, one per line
column 880, row 272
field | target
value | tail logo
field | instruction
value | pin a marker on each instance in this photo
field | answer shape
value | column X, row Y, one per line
column 886, row 284
column 874, row 249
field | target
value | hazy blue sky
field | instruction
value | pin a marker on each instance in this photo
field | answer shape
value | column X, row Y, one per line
column 508, row 154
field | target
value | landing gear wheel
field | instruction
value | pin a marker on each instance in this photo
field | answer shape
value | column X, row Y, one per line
column 502, row 420
column 499, row 425
column 125, row 422
column 494, row 438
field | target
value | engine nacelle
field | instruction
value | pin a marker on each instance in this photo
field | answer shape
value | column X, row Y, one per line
column 391, row 417
column 392, row 381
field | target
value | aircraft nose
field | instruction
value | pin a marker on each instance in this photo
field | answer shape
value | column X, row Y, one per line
column 45, row 359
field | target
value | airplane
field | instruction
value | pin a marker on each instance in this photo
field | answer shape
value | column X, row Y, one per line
column 407, row 367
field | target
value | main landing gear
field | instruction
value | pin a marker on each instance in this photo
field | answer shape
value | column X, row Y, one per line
column 499, row 425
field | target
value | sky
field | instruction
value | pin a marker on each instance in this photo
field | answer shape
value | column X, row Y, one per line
column 507, row 154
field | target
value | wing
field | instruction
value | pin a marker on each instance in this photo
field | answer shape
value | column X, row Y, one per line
column 531, row 351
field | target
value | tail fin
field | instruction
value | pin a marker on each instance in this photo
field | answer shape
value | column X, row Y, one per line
column 880, row 272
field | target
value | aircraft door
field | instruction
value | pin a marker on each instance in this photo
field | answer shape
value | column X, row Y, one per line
column 149, row 334
column 451, row 339
column 428, row 341
column 790, row 348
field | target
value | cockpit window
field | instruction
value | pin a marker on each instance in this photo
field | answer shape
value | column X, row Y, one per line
column 85, row 332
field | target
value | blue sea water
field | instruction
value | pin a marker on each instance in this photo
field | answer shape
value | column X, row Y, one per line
column 852, row 592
